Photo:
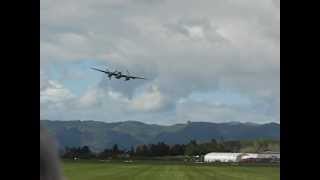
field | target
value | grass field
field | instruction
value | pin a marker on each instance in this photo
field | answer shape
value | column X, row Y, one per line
column 90, row 170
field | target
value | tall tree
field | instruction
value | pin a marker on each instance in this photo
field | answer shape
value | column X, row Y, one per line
column 115, row 151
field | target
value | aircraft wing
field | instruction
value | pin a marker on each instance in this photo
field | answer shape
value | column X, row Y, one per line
column 135, row 77
column 100, row 70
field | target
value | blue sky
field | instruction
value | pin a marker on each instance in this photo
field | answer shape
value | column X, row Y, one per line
column 84, row 79
column 211, row 61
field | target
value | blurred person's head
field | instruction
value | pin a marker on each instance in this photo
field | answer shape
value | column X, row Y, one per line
column 49, row 159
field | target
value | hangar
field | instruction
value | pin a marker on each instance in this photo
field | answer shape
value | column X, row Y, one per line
column 237, row 157
column 222, row 157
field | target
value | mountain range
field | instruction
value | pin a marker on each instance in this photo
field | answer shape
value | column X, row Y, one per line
column 99, row 135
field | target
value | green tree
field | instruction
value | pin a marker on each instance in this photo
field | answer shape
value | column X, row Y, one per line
column 192, row 148
column 131, row 152
column 115, row 151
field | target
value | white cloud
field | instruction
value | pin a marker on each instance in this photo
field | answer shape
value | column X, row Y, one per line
column 53, row 96
column 152, row 100
column 55, row 92
column 89, row 99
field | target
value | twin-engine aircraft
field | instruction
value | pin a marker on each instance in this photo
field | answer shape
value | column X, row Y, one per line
column 118, row 74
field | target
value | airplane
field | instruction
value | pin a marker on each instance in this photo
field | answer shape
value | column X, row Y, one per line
column 128, row 77
column 119, row 75
column 110, row 74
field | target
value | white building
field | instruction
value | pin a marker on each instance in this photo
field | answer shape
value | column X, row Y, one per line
column 249, row 156
column 222, row 157
column 237, row 157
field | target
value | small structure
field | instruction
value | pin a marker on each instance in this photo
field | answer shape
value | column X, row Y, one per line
column 196, row 158
column 269, row 157
column 249, row 157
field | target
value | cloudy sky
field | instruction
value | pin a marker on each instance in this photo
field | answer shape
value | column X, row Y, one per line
column 206, row 60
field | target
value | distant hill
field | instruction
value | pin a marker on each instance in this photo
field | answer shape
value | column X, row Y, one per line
column 100, row 135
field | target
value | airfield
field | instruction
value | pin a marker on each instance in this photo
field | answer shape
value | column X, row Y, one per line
column 148, row 170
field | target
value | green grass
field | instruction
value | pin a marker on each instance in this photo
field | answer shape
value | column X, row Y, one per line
column 94, row 170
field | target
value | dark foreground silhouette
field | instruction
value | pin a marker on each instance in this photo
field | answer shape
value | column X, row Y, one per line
column 49, row 161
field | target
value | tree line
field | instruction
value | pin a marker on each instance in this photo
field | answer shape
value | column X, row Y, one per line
column 162, row 149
